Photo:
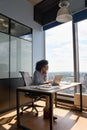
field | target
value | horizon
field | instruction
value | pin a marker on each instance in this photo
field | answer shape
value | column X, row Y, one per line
column 65, row 72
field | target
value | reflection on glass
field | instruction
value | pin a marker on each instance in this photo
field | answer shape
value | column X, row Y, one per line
column 4, row 56
column 21, row 56
column 4, row 24
column 27, row 37
column 19, row 30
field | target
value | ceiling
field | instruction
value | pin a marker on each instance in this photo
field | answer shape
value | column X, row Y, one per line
column 45, row 11
column 34, row 2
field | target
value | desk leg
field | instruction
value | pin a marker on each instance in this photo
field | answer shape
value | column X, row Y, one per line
column 18, row 112
column 55, row 99
column 17, row 101
column 81, row 97
column 51, row 112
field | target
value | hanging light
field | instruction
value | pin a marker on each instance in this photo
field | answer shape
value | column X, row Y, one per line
column 63, row 14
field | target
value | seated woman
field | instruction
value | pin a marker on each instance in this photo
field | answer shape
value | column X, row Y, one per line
column 40, row 77
column 40, row 74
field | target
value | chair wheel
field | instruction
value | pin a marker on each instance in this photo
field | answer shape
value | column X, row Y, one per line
column 36, row 114
column 21, row 113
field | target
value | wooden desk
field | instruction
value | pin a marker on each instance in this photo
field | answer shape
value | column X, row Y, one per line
column 49, row 93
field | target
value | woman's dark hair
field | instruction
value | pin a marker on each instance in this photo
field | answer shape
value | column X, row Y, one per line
column 40, row 64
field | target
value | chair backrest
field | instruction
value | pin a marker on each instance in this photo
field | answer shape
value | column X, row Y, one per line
column 26, row 77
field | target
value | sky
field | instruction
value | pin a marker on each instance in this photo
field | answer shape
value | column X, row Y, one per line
column 59, row 45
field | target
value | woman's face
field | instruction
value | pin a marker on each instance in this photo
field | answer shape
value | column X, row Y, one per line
column 44, row 69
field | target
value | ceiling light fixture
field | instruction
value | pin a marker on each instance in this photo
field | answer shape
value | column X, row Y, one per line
column 63, row 14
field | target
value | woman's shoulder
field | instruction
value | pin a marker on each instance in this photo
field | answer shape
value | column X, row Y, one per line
column 37, row 73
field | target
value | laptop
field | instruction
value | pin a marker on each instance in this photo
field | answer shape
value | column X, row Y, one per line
column 55, row 84
column 57, row 79
column 47, row 86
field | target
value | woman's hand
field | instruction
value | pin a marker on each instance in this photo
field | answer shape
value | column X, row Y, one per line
column 48, row 82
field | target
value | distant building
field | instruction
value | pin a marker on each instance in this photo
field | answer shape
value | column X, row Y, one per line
column 84, row 83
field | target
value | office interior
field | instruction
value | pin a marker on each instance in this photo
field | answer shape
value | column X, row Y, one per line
column 26, row 27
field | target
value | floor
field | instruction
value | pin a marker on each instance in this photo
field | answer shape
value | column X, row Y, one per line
column 66, row 120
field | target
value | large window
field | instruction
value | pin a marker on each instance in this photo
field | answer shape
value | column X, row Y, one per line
column 59, row 52
column 21, row 56
column 4, row 47
column 4, row 56
column 15, row 56
column 15, row 48
column 82, row 40
column 21, row 49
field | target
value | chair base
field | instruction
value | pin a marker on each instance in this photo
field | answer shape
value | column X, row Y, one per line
column 33, row 106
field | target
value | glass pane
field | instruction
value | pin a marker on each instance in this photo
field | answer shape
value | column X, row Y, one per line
column 82, row 38
column 20, row 30
column 59, row 53
column 21, row 56
column 4, row 56
column 4, row 24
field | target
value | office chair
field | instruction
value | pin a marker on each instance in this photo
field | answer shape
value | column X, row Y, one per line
column 28, row 81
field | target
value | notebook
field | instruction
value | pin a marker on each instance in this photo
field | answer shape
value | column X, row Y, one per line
column 44, row 87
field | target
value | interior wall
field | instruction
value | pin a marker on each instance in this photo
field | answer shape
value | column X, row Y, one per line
column 22, row 11
column 38, row 46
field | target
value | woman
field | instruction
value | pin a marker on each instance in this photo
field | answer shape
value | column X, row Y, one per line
column 40, row 74
column 40, row 77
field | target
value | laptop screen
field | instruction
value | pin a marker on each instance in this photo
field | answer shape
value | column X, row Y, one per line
column 57, row 79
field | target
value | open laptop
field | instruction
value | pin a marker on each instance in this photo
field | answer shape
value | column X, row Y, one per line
column 57, row 79
column 55, row 84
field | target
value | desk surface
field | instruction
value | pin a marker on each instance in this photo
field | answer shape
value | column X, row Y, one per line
column 60, row 88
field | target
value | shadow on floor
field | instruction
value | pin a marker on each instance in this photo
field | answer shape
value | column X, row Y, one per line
column 65, row 122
